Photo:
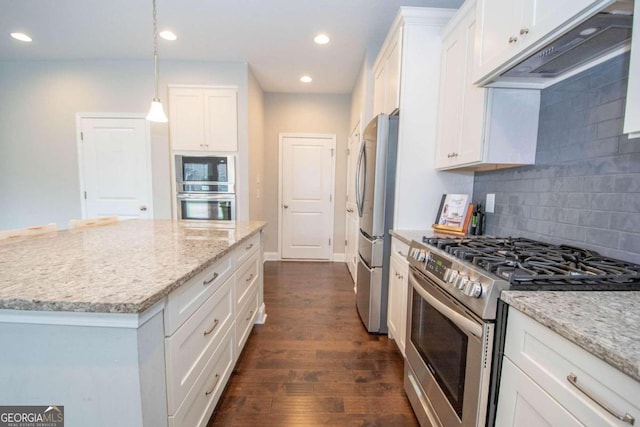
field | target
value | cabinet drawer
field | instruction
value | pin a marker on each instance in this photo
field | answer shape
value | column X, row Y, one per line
column 247, row 249
column 246, row 277
column 185, row 300
column 191, row 346
column 245, row 320
column 548, row 359
column 203, row 396
column 399, row 249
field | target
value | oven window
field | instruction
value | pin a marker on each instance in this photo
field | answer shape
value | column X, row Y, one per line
column 443, row 347
column 209, row 210
column 204, row 169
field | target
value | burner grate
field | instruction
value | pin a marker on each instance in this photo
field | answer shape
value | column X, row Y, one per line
column 527, row 264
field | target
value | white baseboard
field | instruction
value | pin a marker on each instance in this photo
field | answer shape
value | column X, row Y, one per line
column 339, row 257
column 271, row 256
column 262, row 315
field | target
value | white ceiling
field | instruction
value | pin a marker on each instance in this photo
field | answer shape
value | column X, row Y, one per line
column 274, row 36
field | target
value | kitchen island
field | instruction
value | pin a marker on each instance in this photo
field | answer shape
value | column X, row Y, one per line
column 104, row 320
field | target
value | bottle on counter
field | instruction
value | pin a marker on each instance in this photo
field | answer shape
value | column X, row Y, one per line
column 480, row 222
column 474, row 221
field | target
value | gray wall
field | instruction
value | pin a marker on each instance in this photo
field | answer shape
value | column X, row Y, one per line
column 306, row 113
column 39, row 180
column 585, row 186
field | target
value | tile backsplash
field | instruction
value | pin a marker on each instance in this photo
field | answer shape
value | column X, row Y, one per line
column 584, row 189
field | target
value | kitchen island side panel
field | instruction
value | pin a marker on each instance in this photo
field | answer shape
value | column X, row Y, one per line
column 103, row 376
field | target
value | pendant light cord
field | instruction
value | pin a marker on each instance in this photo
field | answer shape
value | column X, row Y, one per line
column 155, row 47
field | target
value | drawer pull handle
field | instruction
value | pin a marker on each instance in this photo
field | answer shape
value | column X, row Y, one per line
column 249, row 247
column 215, row 325
column 249, row 278
column 573, row 380
column 210, row 281
column 250, row 314
column 207, row 393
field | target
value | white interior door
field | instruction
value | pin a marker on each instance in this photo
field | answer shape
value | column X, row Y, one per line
column 306, row 196
column 352, row 219
column 115, row 167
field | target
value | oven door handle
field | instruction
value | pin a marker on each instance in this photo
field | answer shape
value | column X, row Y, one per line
column 462, row 322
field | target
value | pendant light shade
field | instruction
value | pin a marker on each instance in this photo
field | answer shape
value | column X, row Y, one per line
column 156, row 112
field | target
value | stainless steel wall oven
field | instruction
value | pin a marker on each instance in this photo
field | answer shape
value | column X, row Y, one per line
column 205, row 187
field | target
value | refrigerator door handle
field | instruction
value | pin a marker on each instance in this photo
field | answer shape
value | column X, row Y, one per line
column 362, row 158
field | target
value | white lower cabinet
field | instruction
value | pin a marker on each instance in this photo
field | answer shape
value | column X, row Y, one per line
column 548, row 380
column 398, row 288
column 207, row 323
column 197, row 408
column 190, row 347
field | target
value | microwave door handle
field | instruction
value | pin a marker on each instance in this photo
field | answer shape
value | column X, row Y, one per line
column 362, row 158
column 467, row 325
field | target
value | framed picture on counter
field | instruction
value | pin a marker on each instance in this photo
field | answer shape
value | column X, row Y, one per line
column 454, row 214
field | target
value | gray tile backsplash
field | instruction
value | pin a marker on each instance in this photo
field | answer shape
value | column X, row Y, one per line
column 584, row 189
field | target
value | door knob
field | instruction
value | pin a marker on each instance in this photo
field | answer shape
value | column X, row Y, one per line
column 285, row 206
column 143, row 208
column 349, row 210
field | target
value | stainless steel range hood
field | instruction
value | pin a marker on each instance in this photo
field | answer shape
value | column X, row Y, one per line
column 590, row 40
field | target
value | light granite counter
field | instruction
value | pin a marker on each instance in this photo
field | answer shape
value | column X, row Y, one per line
column 606, row 324
column 407, row 236
column 122, row 268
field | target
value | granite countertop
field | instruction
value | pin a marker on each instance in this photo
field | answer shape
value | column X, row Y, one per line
column 603, row 323
column 407, row 236
column 121, row 268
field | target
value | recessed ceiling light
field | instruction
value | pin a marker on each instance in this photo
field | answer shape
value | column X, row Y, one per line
column 168, row 35
column 21, row 36
column 321, row 39
column 306, row 79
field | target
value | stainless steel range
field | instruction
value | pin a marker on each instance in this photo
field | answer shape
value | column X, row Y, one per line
column 455, row 321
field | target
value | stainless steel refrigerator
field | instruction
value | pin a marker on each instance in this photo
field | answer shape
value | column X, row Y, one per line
column 375, row 191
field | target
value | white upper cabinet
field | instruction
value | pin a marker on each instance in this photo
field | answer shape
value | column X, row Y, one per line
column 386, row 72
column 203, row 119
column 510, row 30
column 632, row 113
column 480, row 128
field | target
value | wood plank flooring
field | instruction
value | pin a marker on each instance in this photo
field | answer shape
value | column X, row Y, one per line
column 313, row 363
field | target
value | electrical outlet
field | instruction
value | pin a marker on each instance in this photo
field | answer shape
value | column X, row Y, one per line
column 490, row 206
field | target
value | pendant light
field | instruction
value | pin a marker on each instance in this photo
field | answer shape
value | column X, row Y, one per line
column 156, row 112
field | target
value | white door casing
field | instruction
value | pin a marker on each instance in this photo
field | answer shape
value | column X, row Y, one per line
column 306, row 202
column 352, row 220
column 114, row 159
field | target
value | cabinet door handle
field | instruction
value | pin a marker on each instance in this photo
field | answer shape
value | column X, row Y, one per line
column 513, row 39
column 249, row 278
column 524, row 31
column 208, row 392
column 248, row 247
column 250, row 314
column 215, row 325
column 573, row 380
column 210, row 281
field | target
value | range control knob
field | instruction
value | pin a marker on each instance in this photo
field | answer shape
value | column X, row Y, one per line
column 473, row 289
column 453, row 274
column 461, row 281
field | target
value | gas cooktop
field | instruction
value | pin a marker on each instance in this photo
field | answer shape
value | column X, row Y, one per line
column 532, row 265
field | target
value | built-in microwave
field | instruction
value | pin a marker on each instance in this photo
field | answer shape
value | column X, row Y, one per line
column 205, row 174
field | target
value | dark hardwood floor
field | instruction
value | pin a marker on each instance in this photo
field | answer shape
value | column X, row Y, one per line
column 313, row 363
